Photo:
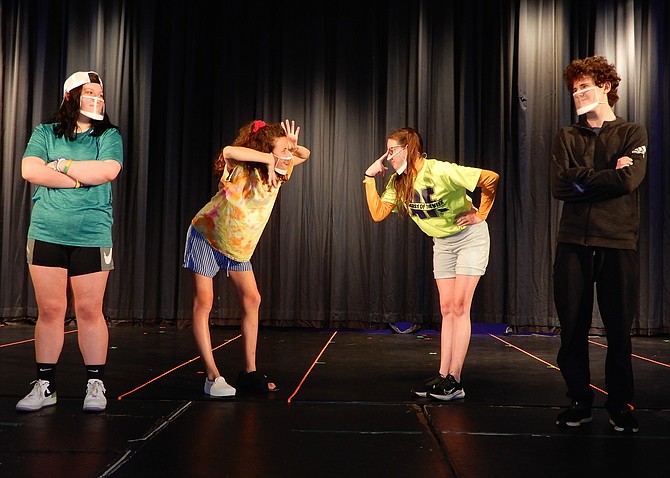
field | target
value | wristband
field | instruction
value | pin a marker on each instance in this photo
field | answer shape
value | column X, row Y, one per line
column 368, row 176
column 67, row 166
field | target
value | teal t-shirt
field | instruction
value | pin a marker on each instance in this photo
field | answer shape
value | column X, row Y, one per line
column 440, row 194
column 74, row 217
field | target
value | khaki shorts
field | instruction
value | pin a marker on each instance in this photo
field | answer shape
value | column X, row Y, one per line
column 465, row 253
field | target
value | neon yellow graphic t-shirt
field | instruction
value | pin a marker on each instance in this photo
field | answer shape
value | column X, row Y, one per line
column 234, row 219
column 440, row 194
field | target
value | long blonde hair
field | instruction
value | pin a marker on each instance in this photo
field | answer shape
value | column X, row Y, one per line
column 404, row 183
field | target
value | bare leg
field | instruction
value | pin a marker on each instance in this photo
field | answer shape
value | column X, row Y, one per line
column 250, row 300
column 202, row 306
column 50, row 284
column 93, row 335
column 455, row 303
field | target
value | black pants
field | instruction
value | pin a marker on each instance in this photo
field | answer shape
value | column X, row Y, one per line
column 615, row 273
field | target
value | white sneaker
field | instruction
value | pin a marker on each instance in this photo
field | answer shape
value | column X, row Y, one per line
column 95, row 400
column 38, row 398
column 218, row 388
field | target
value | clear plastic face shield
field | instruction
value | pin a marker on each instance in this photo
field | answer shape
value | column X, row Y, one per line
column 282, row 163
column 92, row 107
column 399, row 163
column 587, row 100
column 90, row 102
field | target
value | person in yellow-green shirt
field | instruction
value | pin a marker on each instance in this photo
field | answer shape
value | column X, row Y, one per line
column 224, row 235
column 434, row 194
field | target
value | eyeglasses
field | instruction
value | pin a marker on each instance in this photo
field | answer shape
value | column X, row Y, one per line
column 392, row 149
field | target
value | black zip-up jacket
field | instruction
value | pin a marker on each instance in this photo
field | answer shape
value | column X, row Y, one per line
column 601, row 204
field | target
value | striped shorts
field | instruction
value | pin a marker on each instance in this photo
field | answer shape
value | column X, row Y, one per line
column 203, row 259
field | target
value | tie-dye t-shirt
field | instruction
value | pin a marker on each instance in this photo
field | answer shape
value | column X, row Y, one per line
column 234, row 219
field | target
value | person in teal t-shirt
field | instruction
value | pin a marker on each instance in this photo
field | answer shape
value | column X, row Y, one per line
column 71, row 160
column 435, row 196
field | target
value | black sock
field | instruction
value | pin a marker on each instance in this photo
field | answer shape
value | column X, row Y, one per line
column 47, row 371
column 95, row 371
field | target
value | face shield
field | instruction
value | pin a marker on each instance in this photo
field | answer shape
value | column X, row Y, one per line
column 400, row 163
column 92, row 107
column 586, row 100
column 80, row 78
column 282, row 163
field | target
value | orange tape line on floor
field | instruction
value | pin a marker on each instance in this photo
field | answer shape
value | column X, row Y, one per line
column 662, row 364
column 550, row 365
column 173, row 369
column 28, row 340
column 527, row 353
column 312, row 366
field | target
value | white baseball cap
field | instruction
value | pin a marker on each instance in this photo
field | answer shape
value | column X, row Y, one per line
column 77, row 79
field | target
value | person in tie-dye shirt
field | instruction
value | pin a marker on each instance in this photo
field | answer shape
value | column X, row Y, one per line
column 225, row 232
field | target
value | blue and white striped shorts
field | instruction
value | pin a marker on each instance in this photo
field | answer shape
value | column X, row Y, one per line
column 203, row 259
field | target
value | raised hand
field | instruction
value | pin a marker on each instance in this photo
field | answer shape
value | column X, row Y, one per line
column 291, row 133
column 378, row 166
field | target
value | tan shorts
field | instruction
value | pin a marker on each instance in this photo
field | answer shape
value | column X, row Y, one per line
column 465, row 253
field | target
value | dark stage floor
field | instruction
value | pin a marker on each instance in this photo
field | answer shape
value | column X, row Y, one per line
column 343, row 410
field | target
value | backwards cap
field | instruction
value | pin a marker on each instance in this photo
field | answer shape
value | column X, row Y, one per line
column 77, row 79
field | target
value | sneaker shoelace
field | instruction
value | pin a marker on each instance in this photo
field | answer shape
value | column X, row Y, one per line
column 40, row 388
column 96, row 388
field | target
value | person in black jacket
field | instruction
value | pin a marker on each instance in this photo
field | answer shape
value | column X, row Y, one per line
column 597, row 166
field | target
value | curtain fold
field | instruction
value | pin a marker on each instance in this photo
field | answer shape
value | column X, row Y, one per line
column 481, row 81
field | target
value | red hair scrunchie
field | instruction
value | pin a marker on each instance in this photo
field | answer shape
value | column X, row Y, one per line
column 258, row 124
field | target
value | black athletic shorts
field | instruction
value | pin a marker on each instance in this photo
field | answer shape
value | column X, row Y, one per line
column 77, row 260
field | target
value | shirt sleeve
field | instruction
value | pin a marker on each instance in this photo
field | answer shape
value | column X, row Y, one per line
column 573, row 182
column 111, row 146
column 488, row 182
column 379, row 209
column 37, row 144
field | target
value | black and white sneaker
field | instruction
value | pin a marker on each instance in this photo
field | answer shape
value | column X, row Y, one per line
column 623, row 421
column 427, row 386
column 448, row 389
column 575, row 415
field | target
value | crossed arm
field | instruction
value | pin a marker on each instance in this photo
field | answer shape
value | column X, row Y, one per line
column 89, row 172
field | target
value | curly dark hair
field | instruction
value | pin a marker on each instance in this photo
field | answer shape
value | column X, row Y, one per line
column 596, row 68
column 65, row 118
column 253, row 136
column 404, row 183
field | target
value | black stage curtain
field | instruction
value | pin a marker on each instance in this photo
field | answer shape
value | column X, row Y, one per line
column 481, row 81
